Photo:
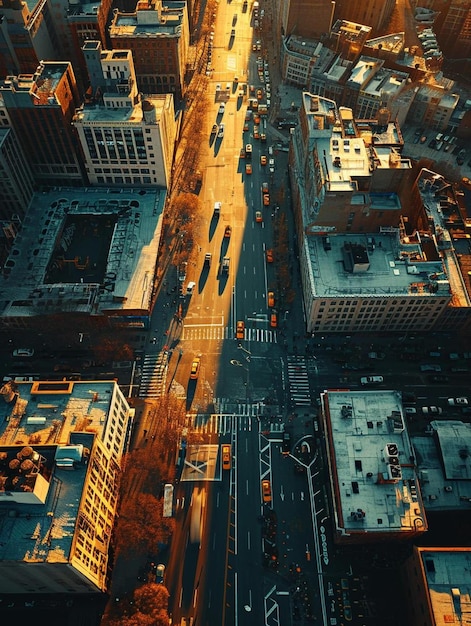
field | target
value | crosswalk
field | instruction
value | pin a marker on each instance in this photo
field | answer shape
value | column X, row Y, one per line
column 298, row 381
column 153, row 376
column 228, row 405
column 196, row 333
column 223, row 423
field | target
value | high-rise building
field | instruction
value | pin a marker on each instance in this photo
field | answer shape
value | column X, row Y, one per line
column 374, row 13
column 368, row 257
column 303, row 18
column 126, row 139
column 374, row 485
column 453, row 29
column 437, row 581
column 85, row 22
column 27, row 35
column 16, row 180
column 41, row 107
column 158, row 37
column 60, row 485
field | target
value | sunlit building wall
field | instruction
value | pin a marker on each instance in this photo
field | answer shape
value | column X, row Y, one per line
column 61, row 485
column 41, row 107
column 158, row 36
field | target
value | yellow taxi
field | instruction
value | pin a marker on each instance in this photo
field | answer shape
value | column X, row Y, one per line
column 195, row 368
column 266, row 491
column 226, row 456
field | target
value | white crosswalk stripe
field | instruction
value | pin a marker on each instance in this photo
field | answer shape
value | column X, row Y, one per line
column 219, row 333
column 154, row 376
column 222, row 424
column 226, row 405
column 298, row 381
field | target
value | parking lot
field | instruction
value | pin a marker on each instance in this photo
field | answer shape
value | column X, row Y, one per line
column 451, row 155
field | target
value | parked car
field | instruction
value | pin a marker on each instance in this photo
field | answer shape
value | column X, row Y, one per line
column 457, row 401
column 23, row 352
column 269, row 255
column 437, row 410
column 371, row 380
column 159, row 574
column 228, row 231
column 271, row 299
column 410, row 410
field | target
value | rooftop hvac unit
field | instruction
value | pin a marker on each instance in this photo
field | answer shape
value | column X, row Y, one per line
column 394, row 472
column 390, row 450
column 65, row 463
column 36, row 420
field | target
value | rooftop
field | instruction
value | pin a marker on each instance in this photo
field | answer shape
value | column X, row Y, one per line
column 109, row 241
column 47, row 430
column 42, row 413
column 372, row 462
column 448, row 575
column 363, row 71
column 391, row 43
column 445, row 465
column 385, row 265
column 146, row 20
column 132, row 115
column 386, row 83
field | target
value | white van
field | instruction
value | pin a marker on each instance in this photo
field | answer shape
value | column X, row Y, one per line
column 190, row 287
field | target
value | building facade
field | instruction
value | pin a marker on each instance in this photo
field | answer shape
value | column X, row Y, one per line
column 437, row 585
column 158, row 37
column 16, row 179
column 126, row 140
column 369, row 258
column 41, row 107
column 61, row 485
column 374, row 13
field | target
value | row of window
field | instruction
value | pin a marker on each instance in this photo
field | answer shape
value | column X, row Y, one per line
column 124, row 170
column 126, row 180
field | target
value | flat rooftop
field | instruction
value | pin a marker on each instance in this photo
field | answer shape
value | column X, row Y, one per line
column 47, row 429
column 443, row 467
column 42, row 532
column 386, row 83
column 364, row 71
column 392, row 268
column 448, row 575
column 391, row 43
column 48, row 412
column 371, row 455
column 84, row 250
column 130, row 114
